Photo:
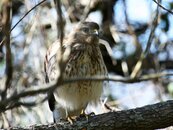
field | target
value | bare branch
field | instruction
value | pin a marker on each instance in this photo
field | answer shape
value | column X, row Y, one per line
column 60, row 28
column 44, row 89
column 22, row 19
column 18, row 104
column 60, row 22
column 86, row 11
column 163, row 7
column 27, row 14
column 131, row 31
column 6, row 22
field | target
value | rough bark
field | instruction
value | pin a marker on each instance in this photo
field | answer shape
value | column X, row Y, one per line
column 149, row 117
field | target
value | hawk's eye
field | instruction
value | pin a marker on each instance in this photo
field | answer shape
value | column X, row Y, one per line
column 85, row 30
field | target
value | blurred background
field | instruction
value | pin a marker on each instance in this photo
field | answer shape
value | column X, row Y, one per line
column 125, row 24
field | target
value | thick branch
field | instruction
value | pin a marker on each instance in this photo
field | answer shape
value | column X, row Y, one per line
column 155, row 116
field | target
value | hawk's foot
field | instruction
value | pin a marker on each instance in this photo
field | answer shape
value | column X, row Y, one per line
column 71, row 119
column 83, row 114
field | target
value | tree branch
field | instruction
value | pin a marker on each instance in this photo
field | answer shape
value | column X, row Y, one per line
column 22, row 19
column 6, row 22
column 163, row 7
column 27, row 14
column 8, row 103
column 149, row 117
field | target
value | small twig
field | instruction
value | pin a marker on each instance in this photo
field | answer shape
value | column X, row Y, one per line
column 60, row 23
column 154, row 25
column 86, row 11
column 118, row 79
column 60, row 54
column 149, row 42
column 22, row 19
column 131, row 31
column 60, row 26
column 27, row 14
column 163, row 7
column 18, row 104
column 109, row 50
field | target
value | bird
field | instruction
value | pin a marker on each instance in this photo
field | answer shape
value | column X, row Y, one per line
column 84, row 60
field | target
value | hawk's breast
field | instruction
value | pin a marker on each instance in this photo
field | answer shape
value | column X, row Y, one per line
column 87, row 63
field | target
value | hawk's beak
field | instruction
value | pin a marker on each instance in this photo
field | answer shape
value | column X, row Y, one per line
column 95, row 32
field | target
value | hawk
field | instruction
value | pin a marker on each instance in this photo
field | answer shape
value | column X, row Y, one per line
column 85, row 60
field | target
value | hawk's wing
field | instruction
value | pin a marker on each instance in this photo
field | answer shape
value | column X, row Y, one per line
column 50, row 60
column 50, row 63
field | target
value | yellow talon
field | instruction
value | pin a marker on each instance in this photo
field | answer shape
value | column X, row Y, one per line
column 71, row 119
column 83, row 114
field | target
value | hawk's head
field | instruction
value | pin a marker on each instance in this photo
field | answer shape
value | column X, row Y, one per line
column 87, row 32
